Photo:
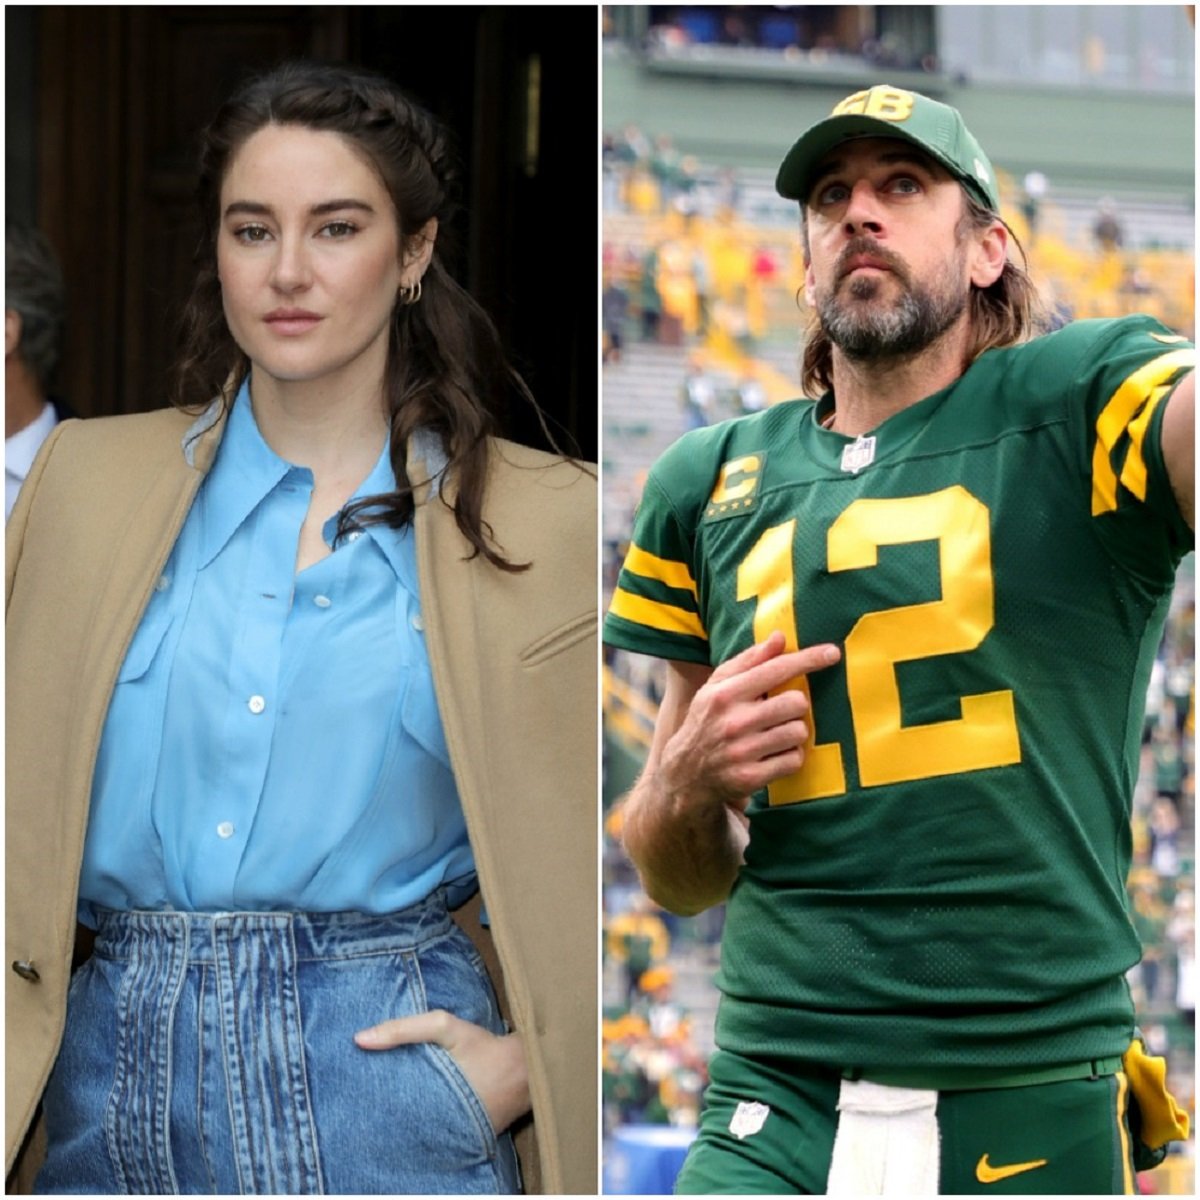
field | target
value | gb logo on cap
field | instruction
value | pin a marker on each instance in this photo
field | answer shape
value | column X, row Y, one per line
column 884, row 103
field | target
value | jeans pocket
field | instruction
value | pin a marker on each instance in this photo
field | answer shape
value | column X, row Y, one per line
column 451, row 976
column 396, row 1121
column 469, row 1104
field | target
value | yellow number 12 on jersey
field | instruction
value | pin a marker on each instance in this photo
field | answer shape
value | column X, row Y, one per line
column 889, row 752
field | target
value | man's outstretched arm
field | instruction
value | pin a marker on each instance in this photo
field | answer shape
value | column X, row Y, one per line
column 1179, row 445
column 720, row 737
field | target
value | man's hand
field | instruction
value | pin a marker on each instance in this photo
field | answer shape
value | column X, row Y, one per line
column 719, row 737
column 736, row 738
column 494, row 1066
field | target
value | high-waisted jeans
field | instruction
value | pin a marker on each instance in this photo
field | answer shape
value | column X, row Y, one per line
column 214, row 1053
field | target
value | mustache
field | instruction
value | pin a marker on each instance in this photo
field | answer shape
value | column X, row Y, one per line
column 865, row 246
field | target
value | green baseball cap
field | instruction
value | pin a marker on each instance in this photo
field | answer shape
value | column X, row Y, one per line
column 890, row 112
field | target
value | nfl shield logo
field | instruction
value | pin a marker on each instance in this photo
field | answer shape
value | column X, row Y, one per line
column 859, row 454
column 748, row 1119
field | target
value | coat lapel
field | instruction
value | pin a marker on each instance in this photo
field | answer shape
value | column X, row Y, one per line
column 83, row 560
column 460, row 651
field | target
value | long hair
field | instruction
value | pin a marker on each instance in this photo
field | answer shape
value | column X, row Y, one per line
column 446, row 370
column 1007, row 312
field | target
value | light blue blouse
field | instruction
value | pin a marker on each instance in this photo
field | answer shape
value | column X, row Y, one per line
column 273, row 741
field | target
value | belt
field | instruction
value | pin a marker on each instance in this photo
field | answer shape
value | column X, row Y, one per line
column 963, row 1079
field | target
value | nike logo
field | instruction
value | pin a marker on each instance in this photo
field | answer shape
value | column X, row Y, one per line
column 986, row 1173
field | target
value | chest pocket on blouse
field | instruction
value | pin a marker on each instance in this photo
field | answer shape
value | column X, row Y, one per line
column 129, row 749
column 148, row 639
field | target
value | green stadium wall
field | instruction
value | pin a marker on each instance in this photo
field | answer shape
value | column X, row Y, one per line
column 1123, row 144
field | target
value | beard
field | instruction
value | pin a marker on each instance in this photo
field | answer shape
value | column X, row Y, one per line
column 867, row 327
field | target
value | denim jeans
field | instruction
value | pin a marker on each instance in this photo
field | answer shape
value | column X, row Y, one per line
column 214, row 1053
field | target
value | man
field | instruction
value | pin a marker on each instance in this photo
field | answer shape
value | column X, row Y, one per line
column 33, row 321
column 909, row 628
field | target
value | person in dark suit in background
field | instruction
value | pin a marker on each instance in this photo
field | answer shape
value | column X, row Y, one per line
column 33, row 335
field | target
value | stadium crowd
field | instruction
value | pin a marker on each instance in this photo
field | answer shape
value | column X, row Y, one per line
column 698, row 255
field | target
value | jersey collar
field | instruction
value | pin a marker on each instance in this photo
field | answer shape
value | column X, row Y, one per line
column 828, row 447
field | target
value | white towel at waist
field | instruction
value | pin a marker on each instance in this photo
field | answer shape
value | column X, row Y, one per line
column 886, row 1143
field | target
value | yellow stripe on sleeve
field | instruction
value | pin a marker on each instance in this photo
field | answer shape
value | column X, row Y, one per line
column 651, row 613
column 1115, row 417
column 664, row 570
column 1133, row 473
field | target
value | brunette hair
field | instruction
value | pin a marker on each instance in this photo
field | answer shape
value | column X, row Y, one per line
column 446, row 370
column 1005, row 313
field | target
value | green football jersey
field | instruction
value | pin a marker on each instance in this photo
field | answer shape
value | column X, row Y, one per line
column 942, row 884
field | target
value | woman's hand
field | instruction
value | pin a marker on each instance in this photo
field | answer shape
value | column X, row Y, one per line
column 494, row 1066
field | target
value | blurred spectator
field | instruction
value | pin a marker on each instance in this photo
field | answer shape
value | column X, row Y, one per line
column 1135, row 282
column 610, row 173
column 702, row 277
column 639, row 940
column 1164, row 838
column 677, row 286
column 614, row 305
column 1150, row 920
column 751, row 395
column 667, row 36
column 1182, row 931
column 665, row 166
column 1057, row 307
column 632, row 147
column 649, row 296
column 735, row 31
column 763, row 265
column 684, row 198
column 626, row 1088
column 698, row 397
column 33, row 330
column 728, row 190
column 1156, row 692
column 1107, row 228
column 1033, row 191
column 652, row 1070
column 1179, row 689
column 665, row 1018
column 1168, row 765
column 735, row 324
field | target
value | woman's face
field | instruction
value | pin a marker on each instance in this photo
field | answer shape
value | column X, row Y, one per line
column 309, row 258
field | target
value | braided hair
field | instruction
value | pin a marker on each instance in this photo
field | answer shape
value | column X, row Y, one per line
column 446, row 370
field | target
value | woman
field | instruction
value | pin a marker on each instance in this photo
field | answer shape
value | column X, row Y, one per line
column 230, row 639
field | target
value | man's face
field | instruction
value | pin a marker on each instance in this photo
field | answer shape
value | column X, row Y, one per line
column 889, row 270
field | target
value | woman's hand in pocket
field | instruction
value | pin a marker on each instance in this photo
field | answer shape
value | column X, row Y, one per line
column 494, row 1066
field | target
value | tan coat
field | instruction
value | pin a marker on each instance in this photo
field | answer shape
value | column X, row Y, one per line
column 514, row 666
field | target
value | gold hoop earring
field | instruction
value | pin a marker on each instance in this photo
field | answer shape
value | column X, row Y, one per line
column 410, row 295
